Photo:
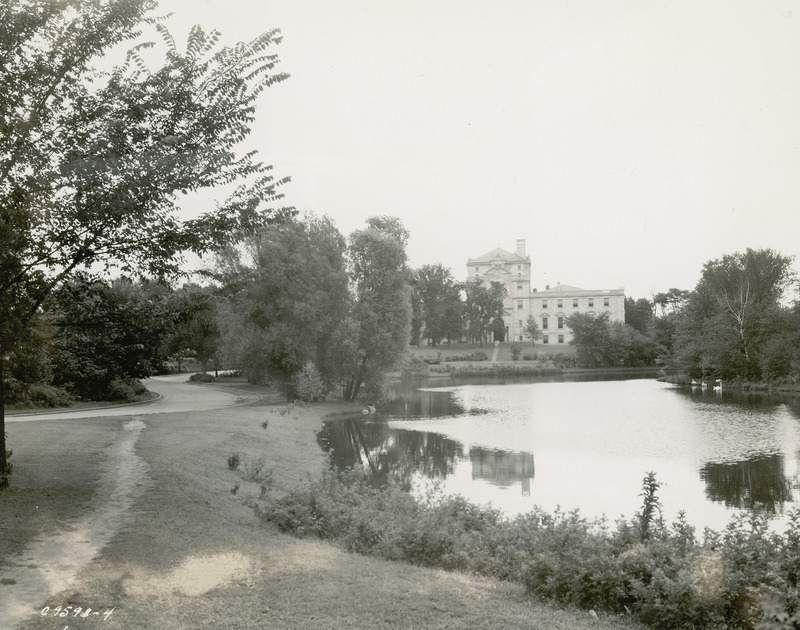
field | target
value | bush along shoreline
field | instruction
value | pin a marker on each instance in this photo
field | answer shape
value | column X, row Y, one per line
column 666, row 576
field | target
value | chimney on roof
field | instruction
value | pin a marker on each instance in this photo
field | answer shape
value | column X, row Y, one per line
column 521, row 247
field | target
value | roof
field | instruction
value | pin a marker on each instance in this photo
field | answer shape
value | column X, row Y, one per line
column 562, row 288
column 495, row 254
column 565, row 289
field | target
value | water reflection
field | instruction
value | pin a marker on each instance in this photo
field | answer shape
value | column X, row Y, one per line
column 503, row 468
column 593, row 442
column 401, row 455
column 756, row 484
column 385, row 452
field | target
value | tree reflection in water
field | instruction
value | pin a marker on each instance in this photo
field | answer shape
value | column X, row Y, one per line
column 386, row 453
column 755, row 484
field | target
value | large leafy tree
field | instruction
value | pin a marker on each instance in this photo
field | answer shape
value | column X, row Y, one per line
column 287, row 292
column 92, row 165
column 195, row 331
column 107, row 333
column 639, row 314
column 483, row 308
column 381, row 316
column 439, row 302
column 734, row 311
column 601, row 342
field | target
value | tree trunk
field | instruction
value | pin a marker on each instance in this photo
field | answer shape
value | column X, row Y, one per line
column 3, row 460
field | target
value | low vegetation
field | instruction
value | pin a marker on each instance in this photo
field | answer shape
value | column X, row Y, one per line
column 665, row 576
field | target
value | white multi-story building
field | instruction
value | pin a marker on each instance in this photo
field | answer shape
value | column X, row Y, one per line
column 550, row 307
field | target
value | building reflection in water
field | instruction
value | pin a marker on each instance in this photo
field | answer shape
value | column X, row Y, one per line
column 754, row 484
column 503, row 468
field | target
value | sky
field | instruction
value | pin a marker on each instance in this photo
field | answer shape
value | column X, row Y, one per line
column 628, row 142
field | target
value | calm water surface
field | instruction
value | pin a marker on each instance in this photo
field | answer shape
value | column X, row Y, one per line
column 584, row 445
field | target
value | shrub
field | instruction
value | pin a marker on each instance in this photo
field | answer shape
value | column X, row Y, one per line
column 433, row 359
column 308, row 383
column 413, row 368
column 201, row 377
column 41, row 395
column 233, row 461
column 124, row 389
column 744, row 577
column 516, row 350
column 440, row 369
column 478, row 355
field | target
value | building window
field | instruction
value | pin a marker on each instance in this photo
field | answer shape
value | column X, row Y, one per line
column 545, row 339
column 519, row 305
column 561, row 339
column 560, row 303
column 575, row 303
column 519, row 287
column 561, row 322
column 591, row 301
column 544, row 323
column 544, row 303
column 520, row 323
column 605, row 301
column 476, row 269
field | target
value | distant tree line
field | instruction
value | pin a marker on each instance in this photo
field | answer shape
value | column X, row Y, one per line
column 740, row 323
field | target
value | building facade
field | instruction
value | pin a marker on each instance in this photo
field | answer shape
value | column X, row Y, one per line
column 550, row 307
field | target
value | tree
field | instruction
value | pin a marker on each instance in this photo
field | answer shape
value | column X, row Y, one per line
column 92, row 164
column 440, row 303
column 287, row 293
column 196, row 331
column 532, row 330
column 107, row 334
column 638, row 313
column 601, row 342
column 733, row 312
column 484, row 307
column 381, row 315
column 671, row 301
column 592, row 338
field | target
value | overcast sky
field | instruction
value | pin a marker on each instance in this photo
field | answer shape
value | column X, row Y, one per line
column 628, row 142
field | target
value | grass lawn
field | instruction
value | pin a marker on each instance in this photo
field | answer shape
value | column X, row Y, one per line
column 191, row 553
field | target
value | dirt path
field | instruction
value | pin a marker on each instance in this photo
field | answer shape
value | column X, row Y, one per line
column 50, row 563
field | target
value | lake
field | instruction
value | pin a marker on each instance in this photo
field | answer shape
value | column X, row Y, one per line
column 586, row 444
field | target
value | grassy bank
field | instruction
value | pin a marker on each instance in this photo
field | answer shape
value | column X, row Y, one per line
column 192, row 553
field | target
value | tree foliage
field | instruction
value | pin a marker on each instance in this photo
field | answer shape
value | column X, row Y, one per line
column 532, row 330
column 106, row 333
column 639, row 313
column 381, row 318
column 440, row 306
column 734, row 324
column 286, row 295
column 600, row 342
column 92, row 164
column 195, row 331
column 483, row 308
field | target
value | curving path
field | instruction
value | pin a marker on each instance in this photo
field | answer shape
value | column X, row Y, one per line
column 176, row 395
